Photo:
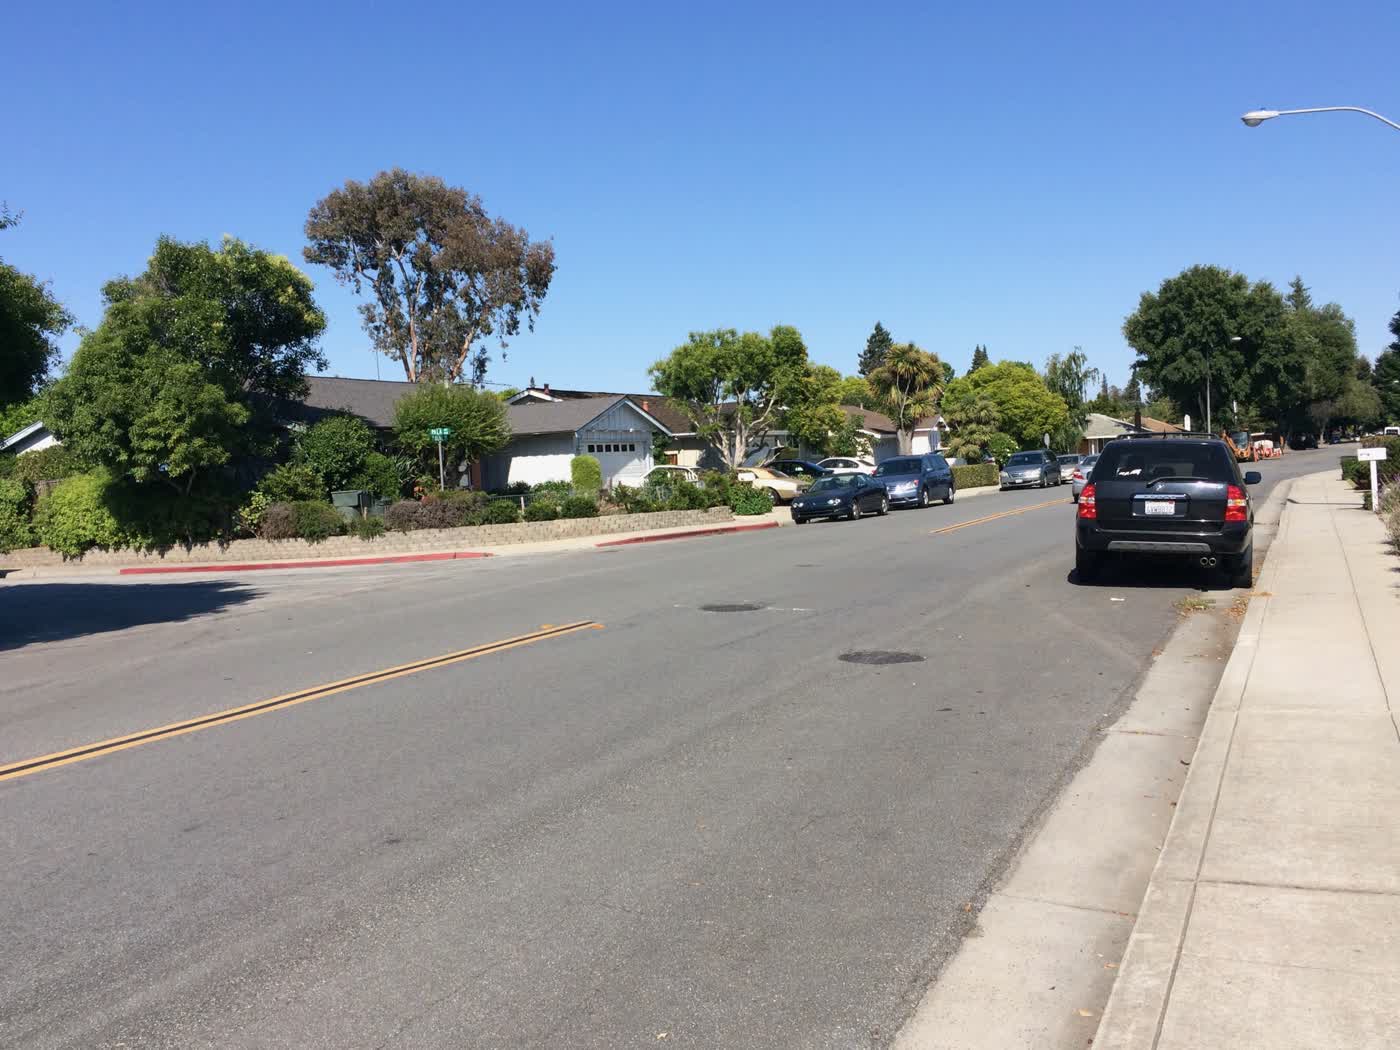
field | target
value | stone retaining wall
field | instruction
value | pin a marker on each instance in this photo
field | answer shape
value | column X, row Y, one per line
column 390, row 543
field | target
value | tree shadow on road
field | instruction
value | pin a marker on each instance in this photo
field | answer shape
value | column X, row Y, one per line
column 52, row 612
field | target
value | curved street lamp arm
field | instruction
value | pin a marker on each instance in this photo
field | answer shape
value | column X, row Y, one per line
column 1341, row 109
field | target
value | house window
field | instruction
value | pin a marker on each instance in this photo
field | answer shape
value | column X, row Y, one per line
column 590, row 448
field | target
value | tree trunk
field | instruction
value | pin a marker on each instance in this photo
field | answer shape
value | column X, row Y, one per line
column 906, row 441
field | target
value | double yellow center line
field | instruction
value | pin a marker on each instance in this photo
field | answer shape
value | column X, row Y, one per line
column 994, row 517
column 121, row 743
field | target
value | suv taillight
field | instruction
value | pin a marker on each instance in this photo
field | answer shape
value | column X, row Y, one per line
column 1236, row 505
column 1088, row 507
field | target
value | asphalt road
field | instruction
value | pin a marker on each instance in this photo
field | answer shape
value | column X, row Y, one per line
column 696, row 826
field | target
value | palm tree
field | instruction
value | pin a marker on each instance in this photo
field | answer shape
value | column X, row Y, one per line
column 908, row 385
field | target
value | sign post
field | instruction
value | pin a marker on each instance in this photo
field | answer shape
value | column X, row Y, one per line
column 1372, row 456
column 441, row 434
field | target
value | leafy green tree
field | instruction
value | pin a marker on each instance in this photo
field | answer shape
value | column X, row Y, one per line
column 876, row 347
column 30, row 320
column 1026, row 409
column 980, row 359
column 972, row 417
column 1186, row 327
column 734, row 387
column 855, row 390
column 187, row 356
column 1071, row 377
column 814, row 406
column 443, row 274
column 21, row 414
column 1385, row 375
column 908, row 386
column 477, row 421
column 335, row 448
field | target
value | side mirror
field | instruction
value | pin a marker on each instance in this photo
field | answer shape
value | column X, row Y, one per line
column 1252, row 477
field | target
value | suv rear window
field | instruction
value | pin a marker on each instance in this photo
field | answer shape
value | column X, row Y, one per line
column 1026, row 459
column 1149, row 460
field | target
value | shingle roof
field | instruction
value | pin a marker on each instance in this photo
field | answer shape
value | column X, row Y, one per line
column 668, row 413
column 373, row 400
column 557, row 417
column 1102, row 426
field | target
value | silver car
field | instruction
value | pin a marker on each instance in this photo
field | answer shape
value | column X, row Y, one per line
column 1082, row 472
column 1068, row 464
column 1030, row 468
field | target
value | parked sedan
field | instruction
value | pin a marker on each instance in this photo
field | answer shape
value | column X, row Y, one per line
column 779, row 487
column 1068, row 465
column 917, row 480
column 798, row 468
column 1025, row 469
column 1082, row 472
column 841, row 496
column 847, row 465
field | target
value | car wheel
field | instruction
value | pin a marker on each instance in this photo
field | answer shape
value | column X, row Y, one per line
column 923, row 498
column 952, row 495
column 799, row 521
column 1086, row 565
column 884, row 505
column 772, row 496
column 1041, row 485
column 1241, row 570
column 855, row 510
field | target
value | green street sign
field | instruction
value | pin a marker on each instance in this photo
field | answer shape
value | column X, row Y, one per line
column 440, row 433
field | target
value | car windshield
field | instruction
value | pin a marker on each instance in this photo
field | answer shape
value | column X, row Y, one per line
column 1025, row 459
column 1089, row 461
column 836, row 481
column 908, row 465
column 1067, row 460
column 1156, row 460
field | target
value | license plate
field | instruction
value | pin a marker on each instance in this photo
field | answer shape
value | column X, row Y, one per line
column 1154, row 507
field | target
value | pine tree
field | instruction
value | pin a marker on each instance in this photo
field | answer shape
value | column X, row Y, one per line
column 876, row 347
column 979, row 358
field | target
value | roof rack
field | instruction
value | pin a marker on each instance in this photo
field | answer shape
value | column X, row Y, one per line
column 1198, row 435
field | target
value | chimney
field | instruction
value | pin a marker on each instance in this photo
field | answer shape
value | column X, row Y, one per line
column 646, row 405
column 546, row 388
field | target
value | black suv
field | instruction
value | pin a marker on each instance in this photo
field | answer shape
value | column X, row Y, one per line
column 1180, row 495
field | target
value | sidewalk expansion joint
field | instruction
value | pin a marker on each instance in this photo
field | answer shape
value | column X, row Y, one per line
column 1342, row 891
column 1064, row 904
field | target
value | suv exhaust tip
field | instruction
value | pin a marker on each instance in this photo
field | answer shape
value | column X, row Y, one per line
column 1209, row 561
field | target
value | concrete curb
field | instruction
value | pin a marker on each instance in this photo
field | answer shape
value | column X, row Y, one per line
column 314, row 563
column 1137, row 1006
column 692, row 534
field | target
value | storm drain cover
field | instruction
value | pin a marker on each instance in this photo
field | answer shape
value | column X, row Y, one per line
column 881, row 656
column 731, row 607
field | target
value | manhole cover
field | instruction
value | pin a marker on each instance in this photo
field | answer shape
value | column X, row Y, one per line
column 731, row 607
column 881, row 656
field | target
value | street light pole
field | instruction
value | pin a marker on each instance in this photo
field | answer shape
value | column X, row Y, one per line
column 1255, row 117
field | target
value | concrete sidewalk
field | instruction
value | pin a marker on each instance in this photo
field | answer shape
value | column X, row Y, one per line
column 1273, row 916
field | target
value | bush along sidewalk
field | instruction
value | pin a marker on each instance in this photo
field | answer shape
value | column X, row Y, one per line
column 975, row 475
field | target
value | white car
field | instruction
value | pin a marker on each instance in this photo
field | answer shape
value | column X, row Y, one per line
column 669, row 471
column 779, row 487
column 848, row 465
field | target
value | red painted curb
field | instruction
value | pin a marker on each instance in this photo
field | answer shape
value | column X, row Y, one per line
column 388, row 559
column 688, row 535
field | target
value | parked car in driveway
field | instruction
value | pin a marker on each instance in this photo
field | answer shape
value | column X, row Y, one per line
column 917, row 480
column 1024, row 469
column 847, row 465
column 798, row 468
column 779, row 487
column 1068, row 465
column 1168, row 495
column 841, row 496
column 671, row 472
column 1082, row 472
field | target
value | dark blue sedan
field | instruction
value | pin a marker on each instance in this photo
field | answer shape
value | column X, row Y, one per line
column 841, row 496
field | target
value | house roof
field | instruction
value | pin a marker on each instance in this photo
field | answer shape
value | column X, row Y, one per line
column 564, row 416
column 664, row 410
column 20, row 435
column 373, row 400
column 1102, row 426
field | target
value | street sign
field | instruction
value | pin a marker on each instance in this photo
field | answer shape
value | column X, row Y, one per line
column 1370, row 455
column 440, row 433
column 1373, row 456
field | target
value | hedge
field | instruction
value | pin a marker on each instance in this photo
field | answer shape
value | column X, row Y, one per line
column 976, row 475
column 14, row 516
column 748, row 500
column 587, row 476
column 74, row 516
column 578, row 507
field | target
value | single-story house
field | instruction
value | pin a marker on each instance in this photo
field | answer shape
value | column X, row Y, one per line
column 32, row 438
column 1101, row 429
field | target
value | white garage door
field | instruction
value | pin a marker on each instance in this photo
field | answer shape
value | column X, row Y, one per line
column 623, row 456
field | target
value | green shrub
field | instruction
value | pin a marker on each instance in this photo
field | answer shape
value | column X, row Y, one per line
column 559, row 490
column 587, row 476
column 1359, row 474
column 634, row 501
column 335, row 449
column 745, row 499
column 501, row 512
column 1346, row 462
column 1001, row 447
column 7, row 465
column 1392, row 526
column 403, row 516
column 366, row 528
column 443, row 514
column 517, row 488
column 293, row 483
column 15, row 530
column 380, row 475
column 248, row 519
column 1388, row 469
column 976, row 475
column 578, row 507
column 74, row 516
column 541, row 510
column 48, row 464
column 278, row 522
column 317, row 521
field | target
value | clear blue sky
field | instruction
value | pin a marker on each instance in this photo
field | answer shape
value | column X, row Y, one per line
column 1011, row 174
